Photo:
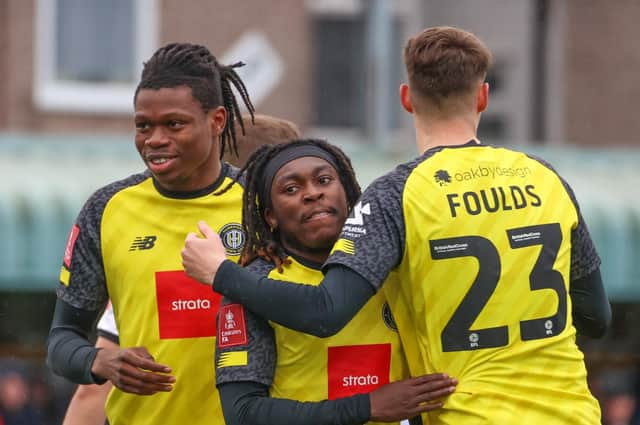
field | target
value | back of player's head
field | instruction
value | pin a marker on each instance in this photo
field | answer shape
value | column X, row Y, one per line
column 444, row 63
column 266, row 130
column 260, row 238
column 192, row 65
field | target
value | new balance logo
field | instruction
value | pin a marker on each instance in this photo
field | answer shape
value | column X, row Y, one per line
column 143, row 242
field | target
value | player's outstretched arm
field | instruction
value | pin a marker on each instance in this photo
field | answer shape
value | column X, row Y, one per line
column 245, row 403
column 321, row 310
column 87, row 404
column 249, row 403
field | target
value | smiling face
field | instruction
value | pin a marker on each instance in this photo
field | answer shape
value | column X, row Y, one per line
column 308, row 207
column 177, row 139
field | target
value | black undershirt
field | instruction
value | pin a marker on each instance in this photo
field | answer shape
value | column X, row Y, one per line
column 249, row 403
column 591, row 308
column 70, row 354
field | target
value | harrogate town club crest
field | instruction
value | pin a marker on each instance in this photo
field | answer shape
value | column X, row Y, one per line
column 233, row 238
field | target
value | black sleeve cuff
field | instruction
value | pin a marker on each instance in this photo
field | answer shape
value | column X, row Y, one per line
column 109, row 336
column 225, row 275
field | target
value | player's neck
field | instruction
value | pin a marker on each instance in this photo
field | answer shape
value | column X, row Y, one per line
column 298, row 250
column 451, row 132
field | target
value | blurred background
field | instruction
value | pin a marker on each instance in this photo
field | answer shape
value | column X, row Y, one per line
column 564, row 86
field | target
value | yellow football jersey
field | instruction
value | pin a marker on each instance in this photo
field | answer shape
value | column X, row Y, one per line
column 129, row 243
column 363, row 356
column 485, row 252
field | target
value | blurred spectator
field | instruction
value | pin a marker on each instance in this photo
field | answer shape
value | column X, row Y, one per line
column 30, row 394
column 617, row 396
column 50, row 405
column 15, row 406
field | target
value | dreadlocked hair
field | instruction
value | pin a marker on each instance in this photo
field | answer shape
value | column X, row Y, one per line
column 192, row 65
column 261, row 240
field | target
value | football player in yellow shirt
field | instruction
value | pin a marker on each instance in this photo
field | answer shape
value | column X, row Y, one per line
column 88, row 402
column 297, row 197
column 125, row 246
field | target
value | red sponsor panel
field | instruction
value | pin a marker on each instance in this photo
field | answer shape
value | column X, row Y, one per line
column 68, row 251
column 357, row 369
column 186, row 307
column 232, row 329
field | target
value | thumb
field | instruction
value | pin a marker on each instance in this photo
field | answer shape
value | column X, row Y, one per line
column 206, row 231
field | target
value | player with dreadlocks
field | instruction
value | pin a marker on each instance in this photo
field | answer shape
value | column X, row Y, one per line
column 125, row 246
column 297, row 197
column 261, row 239
column 87, row 404
column 194, row 66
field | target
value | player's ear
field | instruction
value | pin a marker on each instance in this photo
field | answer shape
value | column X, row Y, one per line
column 483, row 97
column 405, row 98
column 217, row 119
column 270, row 218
